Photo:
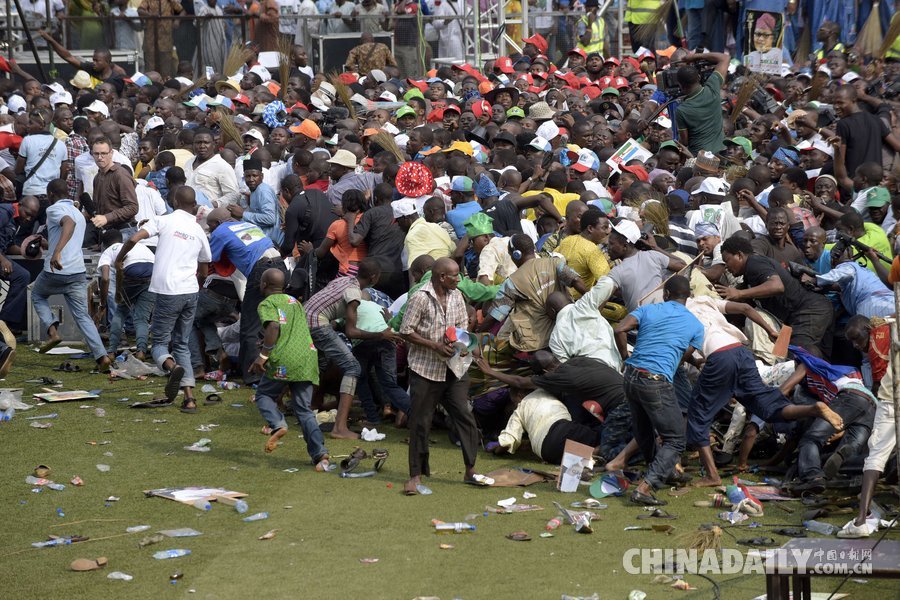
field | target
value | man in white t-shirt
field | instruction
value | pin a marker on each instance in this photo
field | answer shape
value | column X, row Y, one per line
column 150, row 206
column 131, row 285
column 182, row 258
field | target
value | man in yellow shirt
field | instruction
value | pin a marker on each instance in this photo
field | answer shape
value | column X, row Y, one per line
column 582, row 253
column 422, row 237
column 870, row 234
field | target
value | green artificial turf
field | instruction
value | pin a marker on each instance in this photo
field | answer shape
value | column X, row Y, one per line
column 325, row 524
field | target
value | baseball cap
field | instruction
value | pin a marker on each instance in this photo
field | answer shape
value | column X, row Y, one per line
column 715, row 186
column 587, row 161
column 153, row 123
column 461, row 183
column 742, row 142
column 663, row 121
column 404, row 111
column 460, row 146
column 308, row 128
column 610, row 90
column 538, row 41
column 256, row 134
column 821, row 145
column 636, row 170
column 628, row 229
column 539, row 143
column 98, row 106
column 403, row 208
column 60, row 98
column 504, row 65
column 515, row 112
column 877, row 197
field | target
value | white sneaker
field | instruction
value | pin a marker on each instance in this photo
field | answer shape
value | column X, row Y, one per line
column 852, row 531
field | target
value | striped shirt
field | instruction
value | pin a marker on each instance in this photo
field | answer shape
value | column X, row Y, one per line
column 330, row 302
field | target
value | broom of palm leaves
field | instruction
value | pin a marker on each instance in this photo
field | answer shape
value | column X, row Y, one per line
column 748, row 86
column 343, row 92
column 234, row 61
column 891, row 36
column 285, row 49
column 186, row 92
column 706, row 537
column 387, row 141
column 869, row 40
column 229, row 129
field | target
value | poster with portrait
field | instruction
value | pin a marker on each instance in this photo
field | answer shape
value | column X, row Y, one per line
column 762, row 41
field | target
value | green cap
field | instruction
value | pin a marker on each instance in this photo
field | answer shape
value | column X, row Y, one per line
column 670, row 144
column 405, row 110
column 877, row 197
column 610, row 90
column 515, row 111
column 743, row 143
column 479, row 224
column 413, row 93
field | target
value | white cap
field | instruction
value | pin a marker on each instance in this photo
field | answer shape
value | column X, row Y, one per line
column 153, row 122
column 262, row 72
column 98, row 106
column 403, row 208
column 548, row 130
column 60, row 98
column 55, row 87
column 378, row 75
column 16, row 104
column 387, row 97
column 540, row 143
column 850, row 76
column 663, row 121
column 184, row 81
column 824, row 69
column 390, row 128
column 712, row 185
column 629, row 230
column 256, row 134
column 820, row 145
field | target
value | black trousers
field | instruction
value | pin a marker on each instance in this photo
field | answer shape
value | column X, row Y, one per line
column 555, row 441
column 453, row 395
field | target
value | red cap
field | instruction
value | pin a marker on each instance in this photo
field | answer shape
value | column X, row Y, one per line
column 577, row 51
column 638, row 171
column 481, row 108
column 535, row 89
column 348, row 78
column 633, row 62
column 504, row 65
column 621, row 83
column 538, row 41
column 454, row 108
column 605, row 82
column 422, row 85
column 435, row 116
column 613, row 60
column 242, row 99
column 592, row 92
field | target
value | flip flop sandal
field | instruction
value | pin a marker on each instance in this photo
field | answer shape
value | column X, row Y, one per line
column 479, row 480
column 657, row 513
column 380, row 455
column 764, row 542
column 212, row 399
column 794, row 532
column 814, row 513
column 518, row 536
column 350, row 463
column 87, row 564
column 813, row 500
column 155, row 403
column 187, row 408
column 174, row 382
column 68, row 367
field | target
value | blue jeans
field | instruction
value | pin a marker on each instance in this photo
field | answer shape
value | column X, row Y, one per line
column 138, row 305
column 654, row 411
column 74, row 289
column 332, row 348
column 858, row 414
column 172, row 322
column 14, row 311
column 209, row 310
column 301, row 394
column 382, row 355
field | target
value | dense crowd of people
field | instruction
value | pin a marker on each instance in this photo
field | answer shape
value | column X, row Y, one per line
column 648, row 254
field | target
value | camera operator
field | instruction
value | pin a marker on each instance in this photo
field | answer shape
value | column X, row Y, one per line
column 865, row 234
column 699, row 116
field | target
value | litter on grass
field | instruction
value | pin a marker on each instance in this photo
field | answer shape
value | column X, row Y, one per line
column 189, row 495
column 268, row 535
column 182, row 532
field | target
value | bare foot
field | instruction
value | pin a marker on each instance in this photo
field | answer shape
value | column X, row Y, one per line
column 272, row 442
column 344, row 434
column 409, row 488
column 400, row 420
column 323, row 464
column 266, row 430
column 743, row 468
column 707, row 482
column 829, row 415
column 614, row 466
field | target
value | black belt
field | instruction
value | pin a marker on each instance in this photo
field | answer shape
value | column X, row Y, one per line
column 645, row 374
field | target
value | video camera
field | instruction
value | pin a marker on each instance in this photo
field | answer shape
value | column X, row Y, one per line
column 332, row 116
column 667, row 79
column 845, row 241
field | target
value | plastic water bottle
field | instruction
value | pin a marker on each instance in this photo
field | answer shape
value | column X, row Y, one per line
column 120, row 576
column 100, row 412
column 241, row 506
column 32, row 480
column 820, row 527
column 734, row 493
column 454, row 527
column 56, row 486
column 137, row 528
column 553, row 523
column 173, row 553
column 7, row 414
column 257, row 517
column 202, row 504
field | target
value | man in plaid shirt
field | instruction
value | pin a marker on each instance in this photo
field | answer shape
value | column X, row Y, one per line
column 436, row 306
column 76, row 145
